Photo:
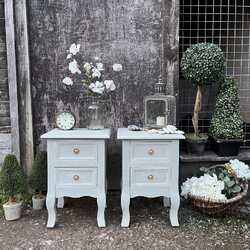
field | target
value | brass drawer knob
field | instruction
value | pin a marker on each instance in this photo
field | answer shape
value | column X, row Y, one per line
column 151, row 151
column 76, row 177
column 76, row 151
column 151, row 177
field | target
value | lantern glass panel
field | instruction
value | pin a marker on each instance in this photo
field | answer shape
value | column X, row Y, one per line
column 154, row 109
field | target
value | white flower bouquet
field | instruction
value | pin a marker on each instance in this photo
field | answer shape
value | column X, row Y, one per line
column 220, row 188
column 91, row 74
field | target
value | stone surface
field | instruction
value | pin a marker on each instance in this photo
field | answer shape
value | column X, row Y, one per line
column 150, row 229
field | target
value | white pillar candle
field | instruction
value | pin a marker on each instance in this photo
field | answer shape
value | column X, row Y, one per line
column 160, row 120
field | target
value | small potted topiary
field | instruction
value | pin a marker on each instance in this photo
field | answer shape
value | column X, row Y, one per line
column 202, row 63
column 12, row 183
column 38, row 180
column 226, row 127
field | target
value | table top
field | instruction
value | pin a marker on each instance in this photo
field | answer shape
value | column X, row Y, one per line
column 77, row 133
column 125, row 134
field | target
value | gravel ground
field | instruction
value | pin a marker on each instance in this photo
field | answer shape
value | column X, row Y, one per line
column 150, row 228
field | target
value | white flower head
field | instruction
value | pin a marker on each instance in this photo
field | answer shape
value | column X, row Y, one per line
column 97, row 87
column 67, row 81
column 96, row 73
column 73, row 67
column 110, row 85
column 87, row 66
column 242, row 170
column 69, row 56
column 74, row 48
column 117, row 67
column 99, row 66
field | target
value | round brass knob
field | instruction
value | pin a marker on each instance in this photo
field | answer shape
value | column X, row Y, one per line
column 150, row 177
column 151, row 151
column 76, row 151
column 76, row 177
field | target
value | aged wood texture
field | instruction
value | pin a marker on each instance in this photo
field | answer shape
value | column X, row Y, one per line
column 24, row 84
column 12, row 76
column 127, row 32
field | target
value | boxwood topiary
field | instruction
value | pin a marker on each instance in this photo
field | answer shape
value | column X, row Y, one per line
column 12, row 178
column 226, row 121
column 38, row 176
column 202, row 63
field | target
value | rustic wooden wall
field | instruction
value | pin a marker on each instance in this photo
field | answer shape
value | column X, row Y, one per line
column 127, row 32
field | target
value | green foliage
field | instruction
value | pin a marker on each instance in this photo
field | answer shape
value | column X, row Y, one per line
column 38, row 177
column 12, row 178
column 203, row 63
column 232, row 185
column 226, row 122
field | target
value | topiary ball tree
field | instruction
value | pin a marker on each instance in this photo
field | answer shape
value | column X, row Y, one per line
column 202, row 63
column 226, row 122
column 12, row 178
column 38, row 176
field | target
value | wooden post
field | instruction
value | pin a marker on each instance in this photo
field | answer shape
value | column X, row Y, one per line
column 12, row 76
column 24, row 84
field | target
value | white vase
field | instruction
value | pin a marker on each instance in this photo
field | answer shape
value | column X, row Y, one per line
column 12, row 211
column 38, row 202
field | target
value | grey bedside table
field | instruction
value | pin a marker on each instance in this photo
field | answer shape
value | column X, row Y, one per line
column 76, row 168
column 150, row 168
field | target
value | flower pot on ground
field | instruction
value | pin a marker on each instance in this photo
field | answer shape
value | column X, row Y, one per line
column 226, row 128
column 12, row 183
column 196, row 144
column 203, row 64
column 38, row 180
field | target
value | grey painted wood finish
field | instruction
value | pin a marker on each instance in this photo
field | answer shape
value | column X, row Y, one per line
column 24, row 85
column 12, row 76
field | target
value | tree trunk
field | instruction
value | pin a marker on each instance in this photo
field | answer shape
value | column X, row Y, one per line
column 197, row 109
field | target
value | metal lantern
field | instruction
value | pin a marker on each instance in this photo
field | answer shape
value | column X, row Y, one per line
column 156, row 107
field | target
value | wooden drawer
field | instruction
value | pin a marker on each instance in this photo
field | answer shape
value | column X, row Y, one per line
column 144, row 176
column 75, row 153
column 156, row 153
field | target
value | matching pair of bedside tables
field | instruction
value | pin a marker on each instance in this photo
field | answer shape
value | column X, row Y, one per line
column 76, row 168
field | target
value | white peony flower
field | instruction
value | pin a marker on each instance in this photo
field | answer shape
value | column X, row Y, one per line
column 87, row 66
column 73, row 67
column 97, row 87
column 117, row 67
column 96, row 73
column 99, row 66
column 241, row 169
column 206, row 186
column 110, row 85
column 67, row 81
column 74, row 48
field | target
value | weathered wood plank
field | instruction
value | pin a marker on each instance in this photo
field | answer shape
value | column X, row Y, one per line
column 12, row 80
column 25, row 104
column 5, row 145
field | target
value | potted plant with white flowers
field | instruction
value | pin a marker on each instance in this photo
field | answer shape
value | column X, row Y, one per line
column 219, row 189
column 203, row 64
column 96, row 84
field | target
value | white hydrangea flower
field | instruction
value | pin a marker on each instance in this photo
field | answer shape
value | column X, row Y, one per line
column 117, row 67
column 206, row 186
column 97, row 87
column 96, row 73
column 69, row 56
column 67, row 81
column 74, row 48
column 99, row 66
column 73, row 67
column 241, row 169
column 110, row 85
column 87, row 66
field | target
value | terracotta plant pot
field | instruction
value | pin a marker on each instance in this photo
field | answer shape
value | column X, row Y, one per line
column 38, row 202
column 12, row 211
column 196, row 145
column 226, row 147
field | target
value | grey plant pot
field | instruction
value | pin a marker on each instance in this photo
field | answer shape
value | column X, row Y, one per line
column 38, row 203
column 12, row 211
